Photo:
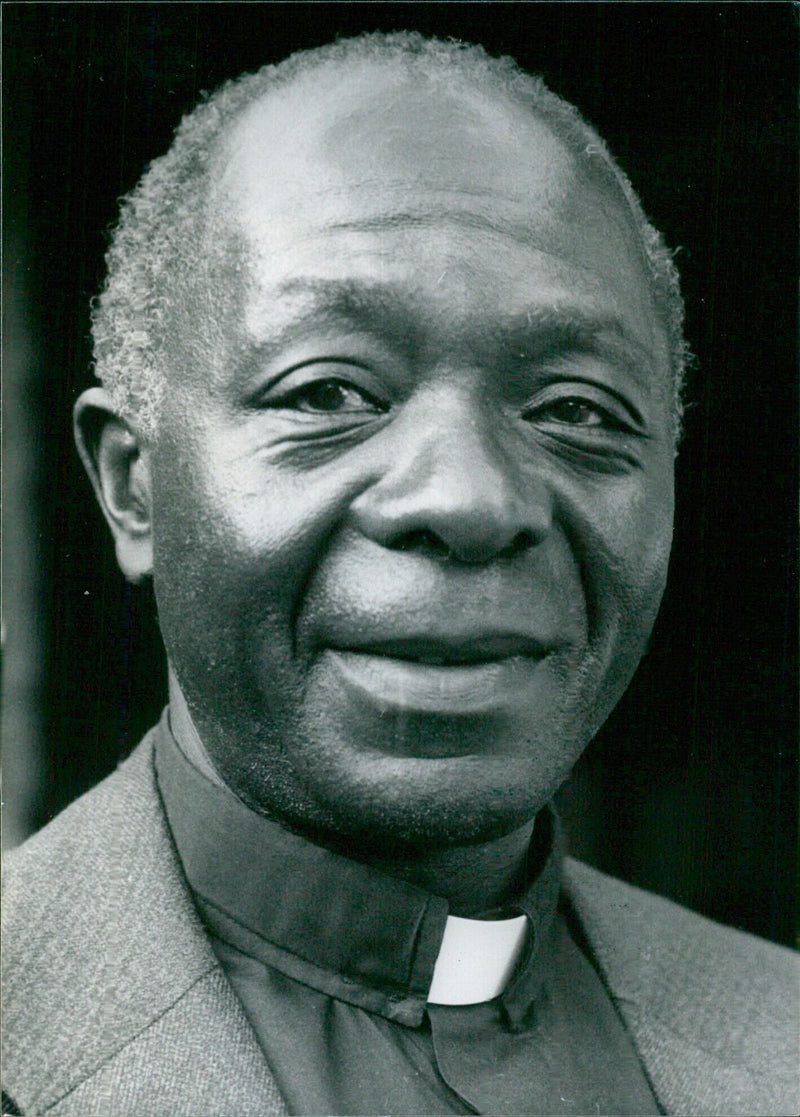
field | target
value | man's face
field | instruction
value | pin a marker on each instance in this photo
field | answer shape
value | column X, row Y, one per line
column 413, row 482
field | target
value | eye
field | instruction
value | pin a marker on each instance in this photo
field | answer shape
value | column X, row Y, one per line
column 330, row 396
column 575, row 412
column 580, row 412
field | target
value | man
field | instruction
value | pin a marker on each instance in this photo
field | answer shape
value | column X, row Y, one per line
column 391, row 367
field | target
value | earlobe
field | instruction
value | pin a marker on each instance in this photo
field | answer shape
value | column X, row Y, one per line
column 118, row 466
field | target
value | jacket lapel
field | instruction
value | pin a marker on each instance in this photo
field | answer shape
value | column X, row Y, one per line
column 199, row 1058
column 130, row 1012
column 706, row 1006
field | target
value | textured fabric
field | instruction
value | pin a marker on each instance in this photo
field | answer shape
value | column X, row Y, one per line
column 715, row 1013
column 104, row 955
column 211, row 1066
column 310, row 939
column 114, row 1003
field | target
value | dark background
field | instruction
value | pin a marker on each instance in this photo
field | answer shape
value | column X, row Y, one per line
column 691, row 788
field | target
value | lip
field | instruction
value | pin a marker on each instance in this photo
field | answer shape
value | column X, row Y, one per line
column 462, row 678
column 451, row 650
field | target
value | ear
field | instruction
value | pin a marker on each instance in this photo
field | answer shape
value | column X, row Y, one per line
column 119, row 468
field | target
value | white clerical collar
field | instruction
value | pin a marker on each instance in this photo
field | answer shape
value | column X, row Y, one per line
column 476, row 959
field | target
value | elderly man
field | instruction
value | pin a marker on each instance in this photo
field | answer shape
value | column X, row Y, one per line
column 391, row 366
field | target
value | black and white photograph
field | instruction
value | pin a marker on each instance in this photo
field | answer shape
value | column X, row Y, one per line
column 400, row 559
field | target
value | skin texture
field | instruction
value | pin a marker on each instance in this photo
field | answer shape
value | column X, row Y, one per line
column 420, row 410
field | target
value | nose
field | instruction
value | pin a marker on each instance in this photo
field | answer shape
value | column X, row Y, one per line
column 453, row 489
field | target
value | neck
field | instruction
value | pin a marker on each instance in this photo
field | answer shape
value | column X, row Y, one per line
column 478, row 881
column 184, row 731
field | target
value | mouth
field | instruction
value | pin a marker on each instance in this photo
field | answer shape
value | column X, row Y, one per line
column 483, row 675
column 451, row 651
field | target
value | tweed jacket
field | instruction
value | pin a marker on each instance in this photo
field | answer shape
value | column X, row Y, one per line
column 115, row 1005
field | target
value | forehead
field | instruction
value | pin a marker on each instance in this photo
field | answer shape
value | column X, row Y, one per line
column 371, row 173
column 375, row 128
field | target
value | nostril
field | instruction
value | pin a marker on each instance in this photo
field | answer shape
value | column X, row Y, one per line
column 522, row 541
column 421, row 540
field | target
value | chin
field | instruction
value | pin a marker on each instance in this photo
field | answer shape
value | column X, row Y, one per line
column 444, row 802
column 442, row 781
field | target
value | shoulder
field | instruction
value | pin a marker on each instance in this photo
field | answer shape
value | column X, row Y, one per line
column 635, row 923
column 116, row 810
column 99, row 935
column 713, row 1010
column 106, row 853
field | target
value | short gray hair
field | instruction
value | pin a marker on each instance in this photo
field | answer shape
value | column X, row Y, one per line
column 161, row 219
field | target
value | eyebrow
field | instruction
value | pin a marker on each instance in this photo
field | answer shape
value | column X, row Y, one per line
column 387, row 311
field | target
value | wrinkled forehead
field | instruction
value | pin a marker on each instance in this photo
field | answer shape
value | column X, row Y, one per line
column 375, row 129
column 346, row 143
column 365, row 174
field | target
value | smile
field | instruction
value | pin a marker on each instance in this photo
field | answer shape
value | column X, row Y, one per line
column 424, row 676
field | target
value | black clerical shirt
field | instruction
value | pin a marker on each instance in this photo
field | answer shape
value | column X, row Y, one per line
column 332, row 962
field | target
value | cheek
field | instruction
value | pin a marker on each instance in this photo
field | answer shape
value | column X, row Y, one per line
column 236, row 540
column 624, row 546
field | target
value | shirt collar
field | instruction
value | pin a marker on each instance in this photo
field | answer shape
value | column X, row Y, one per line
column 333, row 923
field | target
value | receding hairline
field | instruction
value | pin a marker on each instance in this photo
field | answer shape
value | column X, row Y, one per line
column 491, row 95
column 490, row 92
column 394, row 69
